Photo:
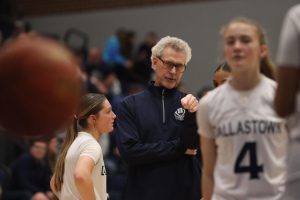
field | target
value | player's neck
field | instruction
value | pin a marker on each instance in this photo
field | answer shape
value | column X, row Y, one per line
column 94, row 133
column 246, row 81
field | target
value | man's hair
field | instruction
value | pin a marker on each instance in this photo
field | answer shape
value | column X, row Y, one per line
column 173, row 42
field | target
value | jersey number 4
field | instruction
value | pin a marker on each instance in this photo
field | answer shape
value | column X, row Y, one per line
column 253, row 168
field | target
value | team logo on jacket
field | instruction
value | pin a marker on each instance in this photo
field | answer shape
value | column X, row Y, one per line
column 179, row 114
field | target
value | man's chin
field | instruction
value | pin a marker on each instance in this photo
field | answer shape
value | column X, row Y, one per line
column 170, row 85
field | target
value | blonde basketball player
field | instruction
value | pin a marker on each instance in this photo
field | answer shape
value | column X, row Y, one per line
column 243, row 141
column 80, row 171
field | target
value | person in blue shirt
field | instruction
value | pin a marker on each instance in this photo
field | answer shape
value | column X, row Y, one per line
column 112, row 52
column 114, row 56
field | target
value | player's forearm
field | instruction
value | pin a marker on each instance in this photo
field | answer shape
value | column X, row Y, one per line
column 85, row 187
column 207, row 186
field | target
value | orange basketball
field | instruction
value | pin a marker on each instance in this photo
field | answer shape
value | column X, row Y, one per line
column 40, row 86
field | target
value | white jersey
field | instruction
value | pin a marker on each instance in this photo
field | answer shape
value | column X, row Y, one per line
column 251, row 142
column 84, row 145
column 289, row 45
column 289, row 55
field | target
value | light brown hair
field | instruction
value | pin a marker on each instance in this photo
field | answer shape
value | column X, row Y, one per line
column 90, row 104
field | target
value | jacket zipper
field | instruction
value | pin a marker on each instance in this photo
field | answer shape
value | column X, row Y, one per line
column 163, row 105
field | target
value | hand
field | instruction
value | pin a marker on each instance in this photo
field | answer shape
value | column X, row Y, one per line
column 50, row 195
column 190, row 103
column 191, row 152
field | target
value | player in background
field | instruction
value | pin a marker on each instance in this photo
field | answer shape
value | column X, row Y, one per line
column 286, row 101
column 243, row 142
column 80, row 171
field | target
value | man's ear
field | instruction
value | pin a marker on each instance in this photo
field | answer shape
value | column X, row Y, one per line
column 154, row 63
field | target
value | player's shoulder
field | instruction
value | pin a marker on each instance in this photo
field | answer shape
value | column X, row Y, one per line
column 294, row 11
column 269, row 83
column 215, row 95
column 86, row 138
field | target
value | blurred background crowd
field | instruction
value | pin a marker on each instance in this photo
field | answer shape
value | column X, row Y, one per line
column 120, row 67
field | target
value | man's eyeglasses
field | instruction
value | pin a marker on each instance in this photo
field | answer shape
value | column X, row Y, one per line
column 169, row 65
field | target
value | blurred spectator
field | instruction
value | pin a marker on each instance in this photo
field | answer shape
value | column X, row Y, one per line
column 31, row 173
column 77, row 39
column 112, row 52
column 144, row 50
column 142, row 70
column 221, row 74
column 52, row 152
column 1, row 38
column 5, row 176
column 6, row 25
column 20, row 26
column 94, row 61
column 203, row 91
column 133, row 88
column 79, row 55
column 124, row 73
column 11, row 147
column 79, row 59
column 113, row 55
column 14, row 28
column 103, row 83
column 127, row 45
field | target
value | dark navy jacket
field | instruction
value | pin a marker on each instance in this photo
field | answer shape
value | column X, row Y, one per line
column 30, row 174
column 149, row 132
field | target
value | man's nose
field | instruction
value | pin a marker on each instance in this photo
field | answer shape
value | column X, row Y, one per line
column 173, row 69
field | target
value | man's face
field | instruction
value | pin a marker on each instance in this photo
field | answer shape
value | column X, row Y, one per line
column 168, row 68
column 38, row 150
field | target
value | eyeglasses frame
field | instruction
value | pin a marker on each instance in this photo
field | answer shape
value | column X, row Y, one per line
column 168, row 66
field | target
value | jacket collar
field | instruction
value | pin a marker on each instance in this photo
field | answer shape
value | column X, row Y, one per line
column 158, row 91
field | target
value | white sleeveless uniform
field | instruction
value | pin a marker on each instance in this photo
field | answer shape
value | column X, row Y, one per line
column 251, row 142
column 289, row 55
column 84, row 145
